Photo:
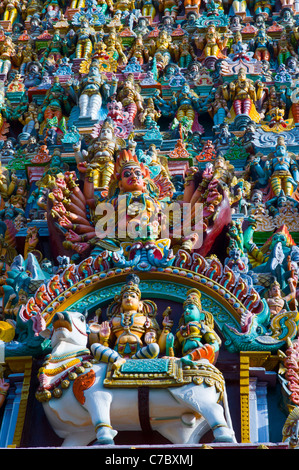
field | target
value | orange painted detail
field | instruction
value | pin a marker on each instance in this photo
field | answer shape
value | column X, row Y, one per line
column 82, row 383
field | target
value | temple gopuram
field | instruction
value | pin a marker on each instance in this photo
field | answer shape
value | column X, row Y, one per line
column 149, row 224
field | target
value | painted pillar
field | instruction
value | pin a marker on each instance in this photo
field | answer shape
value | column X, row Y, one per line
column 262, row 409
column 11, row 410
column 253, row 413
column 258, row 411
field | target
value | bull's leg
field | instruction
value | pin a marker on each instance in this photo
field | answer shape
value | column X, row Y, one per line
column 204, row 400
column 98, row 405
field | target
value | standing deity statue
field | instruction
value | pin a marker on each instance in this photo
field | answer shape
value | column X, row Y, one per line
column 282, row 170
column 85, row 39
column 93, row 91
column 100, row 156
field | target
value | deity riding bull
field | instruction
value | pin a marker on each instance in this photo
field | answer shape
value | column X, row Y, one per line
column 89, row 397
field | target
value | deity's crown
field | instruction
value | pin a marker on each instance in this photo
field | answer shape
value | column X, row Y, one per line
column 108, row 124
column 193, row 297
column 132, row 285
column 280, row 141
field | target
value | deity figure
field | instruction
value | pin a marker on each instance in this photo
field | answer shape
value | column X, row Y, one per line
column 260, row 22
column 158, row 167
column 218, row 108
column 262, row 46
column 185, row 53
column 24, row 56
column 4, row 387
column 278, row 302
column 273, row 104
column 186, row 103
column 235, row 24
column 148, row 9
column 195, row 337
column 100, row 156
column 162, row 49
column 169, row 8
column 85, row 39
column 211, row 44
column 10, row 10
column 149, row 110
column 142, row 27
column 57, row 103
column 239, row 49
column 19, row 199
column 169, row 72
column 134, row 197
column 139, row 51
column 115, row 48
column 33, row 7
column 93, row 92
column 263, row 7
column 56, row 49
column 130, row 97
column 243, row 95
column 7, row 55
column 132, row 332
column 283, row 49
column 281, row 169
column 14, row 303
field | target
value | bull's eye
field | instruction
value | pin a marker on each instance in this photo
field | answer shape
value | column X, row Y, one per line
column 82, row 318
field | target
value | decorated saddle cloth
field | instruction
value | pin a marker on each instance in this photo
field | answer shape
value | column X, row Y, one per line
column 155, row 373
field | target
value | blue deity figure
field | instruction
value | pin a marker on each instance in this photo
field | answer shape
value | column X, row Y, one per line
column 281, row 169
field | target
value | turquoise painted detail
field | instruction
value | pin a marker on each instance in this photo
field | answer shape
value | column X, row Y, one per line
column 157, row 290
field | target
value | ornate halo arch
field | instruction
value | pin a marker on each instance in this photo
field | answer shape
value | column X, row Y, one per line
column 90, row 290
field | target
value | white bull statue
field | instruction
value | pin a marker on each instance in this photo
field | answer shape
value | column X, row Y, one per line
column 82, row 406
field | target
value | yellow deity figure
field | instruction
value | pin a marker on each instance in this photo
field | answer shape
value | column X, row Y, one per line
column 11, row 9
column 124, row 5
column 101, row 153
column 85, row 40
column 32, row 7
column 211, row 44
column 7, row 55
column 149, row 111
column 148, row 9
column 77, row 4
column 163, row 49
column 243, row 94
column 133, row 332
column 115, row 48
